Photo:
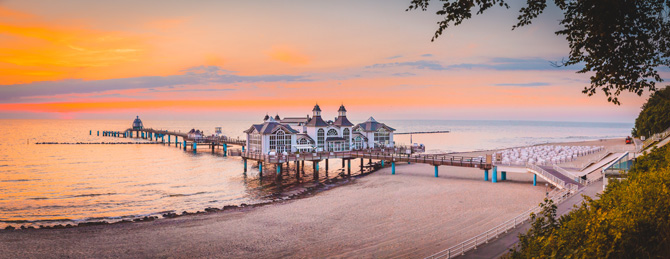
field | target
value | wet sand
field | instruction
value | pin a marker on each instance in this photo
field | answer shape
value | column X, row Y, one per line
column 410, row 214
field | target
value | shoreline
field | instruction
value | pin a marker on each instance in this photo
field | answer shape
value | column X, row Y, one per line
column 298, row 191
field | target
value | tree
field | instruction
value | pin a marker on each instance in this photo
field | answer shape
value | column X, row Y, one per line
column 622, row 42
column 655, row 114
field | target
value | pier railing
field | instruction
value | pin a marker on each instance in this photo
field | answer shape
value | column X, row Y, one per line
column 494, row 232
column 567, row 173
column 377, row 154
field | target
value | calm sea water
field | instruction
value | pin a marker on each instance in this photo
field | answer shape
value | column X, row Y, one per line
column 61, row 184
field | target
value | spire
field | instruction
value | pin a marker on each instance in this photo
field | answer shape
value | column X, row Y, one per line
column 266, row 117
column 277, row 117
column 342, row 111
column 316, row 110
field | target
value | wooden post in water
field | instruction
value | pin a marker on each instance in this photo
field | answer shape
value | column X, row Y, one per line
column 348, row 167
column 245, row 164
column 326, row 164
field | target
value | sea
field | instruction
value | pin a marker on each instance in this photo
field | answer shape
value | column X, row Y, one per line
column 46, row 185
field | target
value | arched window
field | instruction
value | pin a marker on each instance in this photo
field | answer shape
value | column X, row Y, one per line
column 332, row 132
column 358, row 142
column 320, row 138
column 280, row 141
column 303, row 141
column 347, row 139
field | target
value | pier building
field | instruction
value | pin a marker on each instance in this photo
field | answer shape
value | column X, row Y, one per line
column 307, row 134
column 137, row 124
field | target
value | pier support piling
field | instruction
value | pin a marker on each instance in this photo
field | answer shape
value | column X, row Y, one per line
column 393, row 167
column 534, row 180
column 348, row 166
column 503, row 176
column 195, row 147
column 494, row 176
column 98, row 133
column 184, row 145
column 435, row 170
column 326, row 164
column 382, row 163
column 486, row 175
column 225, row 149
column 245, row 164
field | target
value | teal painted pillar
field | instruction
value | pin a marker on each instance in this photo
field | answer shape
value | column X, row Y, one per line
column 195, row 147
column 494, row 176
column 176, row 140
column 162, row 138
column 534, row 180
column 169, row 140
column 503, row 176
column 435, row 171
column 245, row 165
column 382, row 163
column 260, row 167
column 90, row 132
column 184, row 145
column 98, row 133
column 486, row 175
column 392, row 167
column 242, row 148
column 317, row 167
column 225, row 149
column 278, row 166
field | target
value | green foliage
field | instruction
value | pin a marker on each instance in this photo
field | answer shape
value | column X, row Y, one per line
column 630, row 220
column 655, row 114
column 622, row 42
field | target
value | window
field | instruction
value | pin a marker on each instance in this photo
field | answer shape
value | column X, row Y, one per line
column 358, row 142
column 347, row 138
column 255, row 142
column 280, row 142
column 332, row 132
column 382, row 137
column 320, row 138
column 303, row 141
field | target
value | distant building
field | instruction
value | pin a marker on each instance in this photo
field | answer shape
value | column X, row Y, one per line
column 194, row 134
column 373, row 134
column 304, row 134
column 137, row 124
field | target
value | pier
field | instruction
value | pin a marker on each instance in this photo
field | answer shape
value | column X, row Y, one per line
column 381, row 156
column 221, row 144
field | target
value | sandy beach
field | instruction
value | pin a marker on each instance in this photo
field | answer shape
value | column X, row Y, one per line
column 409, row 214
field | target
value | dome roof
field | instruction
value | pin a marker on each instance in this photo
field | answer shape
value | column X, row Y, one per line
column 137, row 123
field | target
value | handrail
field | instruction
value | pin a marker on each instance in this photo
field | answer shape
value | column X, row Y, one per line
column 559, row 183
column 566, row 172
column 472, row 243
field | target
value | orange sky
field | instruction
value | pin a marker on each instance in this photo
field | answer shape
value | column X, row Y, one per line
column 81, row 58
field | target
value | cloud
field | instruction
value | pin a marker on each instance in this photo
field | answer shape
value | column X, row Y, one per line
column 403, row 74
column 532, row 84
column 394, row 57
column 427, row 55
column 201, row 75
column 504, row 64
column 421, row 64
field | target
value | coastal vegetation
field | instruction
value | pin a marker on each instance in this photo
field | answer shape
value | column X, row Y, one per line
column 620, row 44
column 630, row 220
column 654, row 116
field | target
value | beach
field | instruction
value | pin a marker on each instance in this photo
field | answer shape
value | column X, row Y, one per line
column 409, row 214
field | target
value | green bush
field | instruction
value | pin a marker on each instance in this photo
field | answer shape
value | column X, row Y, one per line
column 630, row 220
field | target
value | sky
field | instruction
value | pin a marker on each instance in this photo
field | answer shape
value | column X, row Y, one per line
column 238, row 60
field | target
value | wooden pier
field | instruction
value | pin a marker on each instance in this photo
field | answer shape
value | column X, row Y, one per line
column 384, row 156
